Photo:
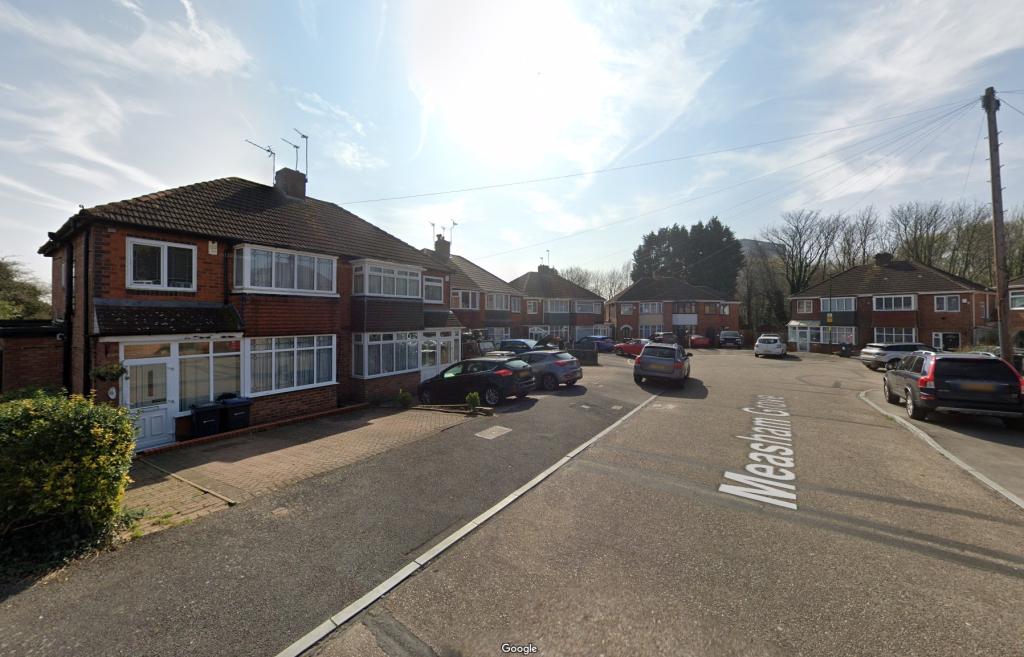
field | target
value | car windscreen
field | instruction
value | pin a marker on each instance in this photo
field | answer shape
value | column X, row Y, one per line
column 729, row 334
column 963, row 368
column 659, row 352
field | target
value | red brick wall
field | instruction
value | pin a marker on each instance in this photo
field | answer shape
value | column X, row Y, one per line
column 386, row 387
column 271, row 314
column 109, row 265
column 31, row 361
column 290, row 404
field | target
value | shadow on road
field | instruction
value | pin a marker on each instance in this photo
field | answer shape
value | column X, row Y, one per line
column 692, row 389
column 514, row 405
column 984, row 428
column 562, row 391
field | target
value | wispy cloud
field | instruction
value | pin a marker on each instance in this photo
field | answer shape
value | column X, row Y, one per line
column 192, row 47
column 313, row 103
column 31, row 194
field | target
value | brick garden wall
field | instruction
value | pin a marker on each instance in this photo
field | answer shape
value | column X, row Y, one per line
column 31, row 361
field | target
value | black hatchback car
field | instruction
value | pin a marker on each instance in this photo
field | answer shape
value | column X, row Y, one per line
column 730, row 339
column 493, row 377
column 973, row 384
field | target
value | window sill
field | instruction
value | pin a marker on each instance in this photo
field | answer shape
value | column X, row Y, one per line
column 433, row 303
column 367, row 377
column 161, row 288
column 282, row 391
column 387, row 296
column 286, row 293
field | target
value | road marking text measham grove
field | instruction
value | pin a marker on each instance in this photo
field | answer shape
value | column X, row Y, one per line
column 771, row 455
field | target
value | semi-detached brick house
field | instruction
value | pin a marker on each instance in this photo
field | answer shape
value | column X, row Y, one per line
column 890, row 301
column 653, row 305
column 479, row 299
column 235, row 287
column 559, row 307
column 1017, row 312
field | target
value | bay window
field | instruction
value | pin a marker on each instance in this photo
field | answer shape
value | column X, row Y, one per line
column 496, row 302
column 383, row 354
column 290, row 363
column 591, row 307
column 155, row 265
column 263, row 269
column 382, row 280
column 556, row 305
column 887, row 334
column 208, row 371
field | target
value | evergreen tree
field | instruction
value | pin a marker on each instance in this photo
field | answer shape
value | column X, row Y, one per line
column 705, row 254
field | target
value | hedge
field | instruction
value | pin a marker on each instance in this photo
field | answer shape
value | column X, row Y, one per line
column 64, row 465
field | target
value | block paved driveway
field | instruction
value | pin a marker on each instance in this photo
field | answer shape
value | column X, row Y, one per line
column 251, row 579
column 248, row 466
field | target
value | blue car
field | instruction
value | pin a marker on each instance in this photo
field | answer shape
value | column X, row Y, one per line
column 599, row 342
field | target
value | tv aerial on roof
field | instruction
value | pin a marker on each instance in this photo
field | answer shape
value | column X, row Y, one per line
column 305, row 142
column 296, row 147
column 271, row 154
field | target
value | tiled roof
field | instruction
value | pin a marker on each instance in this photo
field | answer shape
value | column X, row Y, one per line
column 482, row 278
column 162, row 317
column 547, row 284
column 246, row 211
column 668, row 289
column 457, row 279
column 897, row 277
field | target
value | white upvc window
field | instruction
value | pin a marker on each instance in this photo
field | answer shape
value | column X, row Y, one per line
column 497, row 333
column 1017, row 300
column 380, row 279
column 531, row 306
column 804, row 306
column 157, row 265
column 626, row 308
column 601, row 329
column 465, row 300
column 947, row 303
column 647, row 330
column 556, row 306
column 262, row 269
column 283, row 364
column 889, row 334
column 496, row 301
column 836, row 335
column 561, row 332
column 384, row 354
column 650, row 308
column 838, row 304
column 208, row 371
column 590, row 307
column 517, row 304
column 433, row 289
column 537, row 332
column 895, row 302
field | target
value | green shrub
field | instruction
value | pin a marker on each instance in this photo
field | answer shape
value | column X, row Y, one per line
column 473, row 400
column 404, row 398
column 30, row 391
column 64, row 465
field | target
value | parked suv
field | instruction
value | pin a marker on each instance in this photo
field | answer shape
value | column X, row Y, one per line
column 662, row 361
column 493, row 377
column 730, row 339
column 887, row 354
column 972, row 384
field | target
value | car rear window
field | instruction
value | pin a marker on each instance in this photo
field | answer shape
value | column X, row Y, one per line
column 768, row 340
column 659, row 352
column 515, row 363
column 963, row 368
column 564, row 355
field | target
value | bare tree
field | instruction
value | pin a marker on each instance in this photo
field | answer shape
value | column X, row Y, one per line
column 803, row 242
column 603, row 282
column 920, row 231
column 579, row 275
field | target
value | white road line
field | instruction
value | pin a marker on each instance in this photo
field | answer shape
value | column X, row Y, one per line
column 584, row 406
column 923, row 435
column 616, row 408
column 492, row 432
column 343, row 616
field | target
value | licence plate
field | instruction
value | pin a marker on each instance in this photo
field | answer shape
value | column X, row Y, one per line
column 978, row 387
column 660, row 368
column 523, row 375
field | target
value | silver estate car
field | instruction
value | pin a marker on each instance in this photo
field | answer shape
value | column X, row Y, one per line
column 662, row 361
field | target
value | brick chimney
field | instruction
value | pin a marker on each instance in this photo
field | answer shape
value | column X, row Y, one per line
column 883, row 259
column 543, row 268
column 442, row 248
column 291, row 182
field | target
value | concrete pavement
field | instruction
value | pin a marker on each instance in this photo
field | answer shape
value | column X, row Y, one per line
column 633, row 549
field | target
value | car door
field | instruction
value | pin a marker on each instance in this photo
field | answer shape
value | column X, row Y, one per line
column 912, row 372
column 445, row 387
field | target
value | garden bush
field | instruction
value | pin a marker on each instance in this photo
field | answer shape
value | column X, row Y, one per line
column 473, row 400
column 64, row 465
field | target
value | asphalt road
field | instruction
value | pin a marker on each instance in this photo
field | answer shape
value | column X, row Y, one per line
column 251, row 579
column 633, row 549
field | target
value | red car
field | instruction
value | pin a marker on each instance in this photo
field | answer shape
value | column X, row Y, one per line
column 697, row 341
column 630, row 347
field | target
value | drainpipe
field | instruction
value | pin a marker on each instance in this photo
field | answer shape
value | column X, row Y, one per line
column 69, row 298
column 86, row 293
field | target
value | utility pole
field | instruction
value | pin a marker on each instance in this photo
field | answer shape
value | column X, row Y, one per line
column 991, row 105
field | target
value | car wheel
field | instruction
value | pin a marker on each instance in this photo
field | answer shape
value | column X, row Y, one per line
column 619, row 352
column 492, row 396
column 914, row 412
column 889, row 397
column 426, row 397
column 637, row 378
column 549, row 382
column 892, row 363
column 756, row 355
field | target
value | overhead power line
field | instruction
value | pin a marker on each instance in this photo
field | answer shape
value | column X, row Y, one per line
column 623, row 167
column 981, row 125
column 929, row 121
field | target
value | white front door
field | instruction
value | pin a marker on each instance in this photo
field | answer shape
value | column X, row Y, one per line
column 147, row 392
column 803, row 339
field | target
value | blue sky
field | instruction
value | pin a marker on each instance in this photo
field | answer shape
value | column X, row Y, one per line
column 107, row 100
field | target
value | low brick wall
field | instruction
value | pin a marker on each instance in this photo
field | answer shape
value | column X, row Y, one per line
column 385, row 388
